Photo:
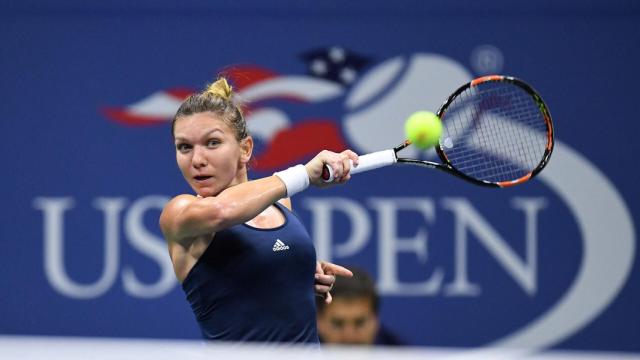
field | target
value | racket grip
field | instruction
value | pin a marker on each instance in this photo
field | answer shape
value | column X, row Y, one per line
column 366, row 162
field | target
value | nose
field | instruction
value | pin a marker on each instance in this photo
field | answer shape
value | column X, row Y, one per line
column 199, row 160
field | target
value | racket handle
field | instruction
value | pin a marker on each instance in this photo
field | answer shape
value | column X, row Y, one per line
column 366, row 162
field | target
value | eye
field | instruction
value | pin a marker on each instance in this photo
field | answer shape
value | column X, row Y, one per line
column 213, row 142
column 337, row 323
column 183, row 147
column 359, row 322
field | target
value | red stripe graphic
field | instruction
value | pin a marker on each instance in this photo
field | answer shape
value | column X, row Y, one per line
column 292, row 145
column 246, row 75
column 180, row 93
column 127, row 118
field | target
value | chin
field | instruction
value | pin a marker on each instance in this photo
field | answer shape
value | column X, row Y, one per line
column 205, row 191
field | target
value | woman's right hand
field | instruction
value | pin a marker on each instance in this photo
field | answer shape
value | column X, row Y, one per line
column 339, row 162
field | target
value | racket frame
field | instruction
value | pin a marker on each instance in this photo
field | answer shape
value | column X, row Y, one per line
column 446, row 164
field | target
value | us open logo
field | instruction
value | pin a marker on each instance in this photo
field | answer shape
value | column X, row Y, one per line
column 447, row 254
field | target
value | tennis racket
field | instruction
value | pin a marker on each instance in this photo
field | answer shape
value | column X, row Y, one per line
column 497, row 132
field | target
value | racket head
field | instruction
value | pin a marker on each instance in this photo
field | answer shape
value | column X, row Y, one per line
column 497, row 131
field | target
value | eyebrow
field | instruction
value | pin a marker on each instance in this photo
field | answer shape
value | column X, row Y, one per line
column 180, row 138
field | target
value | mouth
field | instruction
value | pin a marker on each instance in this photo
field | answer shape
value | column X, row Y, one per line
column 202, row 178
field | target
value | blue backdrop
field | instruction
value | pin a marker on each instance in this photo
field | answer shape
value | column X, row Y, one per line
column 88, row 91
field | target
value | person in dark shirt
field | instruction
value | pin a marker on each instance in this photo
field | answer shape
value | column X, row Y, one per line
column 352, row 317
column 246, row 263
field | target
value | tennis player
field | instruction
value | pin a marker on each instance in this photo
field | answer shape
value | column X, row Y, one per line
column 246, row 263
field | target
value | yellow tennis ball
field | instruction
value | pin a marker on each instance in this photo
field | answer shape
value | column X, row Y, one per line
column 423, row 129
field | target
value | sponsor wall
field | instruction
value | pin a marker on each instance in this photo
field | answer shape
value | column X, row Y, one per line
column 89, row 163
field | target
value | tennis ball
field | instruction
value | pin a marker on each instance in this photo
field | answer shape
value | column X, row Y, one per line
column 423, row 129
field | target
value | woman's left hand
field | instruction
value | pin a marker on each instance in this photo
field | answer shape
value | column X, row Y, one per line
column 325, row 277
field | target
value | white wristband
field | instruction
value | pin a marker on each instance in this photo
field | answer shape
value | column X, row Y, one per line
column 295, row 179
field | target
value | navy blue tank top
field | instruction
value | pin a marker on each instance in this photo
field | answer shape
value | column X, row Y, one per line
column 256, row 284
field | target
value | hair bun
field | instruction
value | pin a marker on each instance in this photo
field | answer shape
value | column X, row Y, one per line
column 220, row 88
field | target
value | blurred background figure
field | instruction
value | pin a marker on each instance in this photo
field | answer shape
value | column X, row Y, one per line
column 352, row 317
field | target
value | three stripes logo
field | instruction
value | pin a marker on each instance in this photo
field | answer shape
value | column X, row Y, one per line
column 279, row 246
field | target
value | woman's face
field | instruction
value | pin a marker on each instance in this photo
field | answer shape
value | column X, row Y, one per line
column 208, row 154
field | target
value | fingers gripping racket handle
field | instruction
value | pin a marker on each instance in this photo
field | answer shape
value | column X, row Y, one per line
column 365, row 163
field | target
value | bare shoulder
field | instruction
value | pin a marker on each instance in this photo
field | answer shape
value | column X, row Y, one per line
column 171, row 211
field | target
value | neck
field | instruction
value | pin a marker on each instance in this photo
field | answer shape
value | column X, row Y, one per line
column 241, row 176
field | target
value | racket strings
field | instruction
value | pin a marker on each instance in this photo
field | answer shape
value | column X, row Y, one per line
column 501, row 167
column 494, row 132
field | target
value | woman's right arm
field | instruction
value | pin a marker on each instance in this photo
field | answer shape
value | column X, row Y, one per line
column 187, row 216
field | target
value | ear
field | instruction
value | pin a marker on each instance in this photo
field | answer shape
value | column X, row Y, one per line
column 246, row 149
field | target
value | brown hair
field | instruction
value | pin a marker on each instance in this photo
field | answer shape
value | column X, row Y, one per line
column 219, row 99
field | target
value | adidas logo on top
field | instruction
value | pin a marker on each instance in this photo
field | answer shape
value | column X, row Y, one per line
column 279, row 246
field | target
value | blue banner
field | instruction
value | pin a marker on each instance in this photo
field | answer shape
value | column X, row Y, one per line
column 89, row 162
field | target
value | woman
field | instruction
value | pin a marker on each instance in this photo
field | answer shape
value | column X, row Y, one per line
column 246, row 263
